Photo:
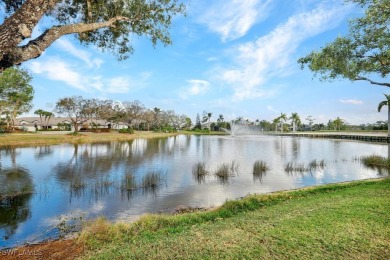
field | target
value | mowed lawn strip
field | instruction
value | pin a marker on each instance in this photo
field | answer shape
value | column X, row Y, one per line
column 344, row 221
column 29, row 139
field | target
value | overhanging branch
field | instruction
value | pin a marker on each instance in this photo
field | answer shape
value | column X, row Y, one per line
column 34, row 48
column 374, row 82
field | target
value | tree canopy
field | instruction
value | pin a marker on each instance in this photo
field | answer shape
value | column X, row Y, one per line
column 16, row 93
column 110, row 25
column 363, row 54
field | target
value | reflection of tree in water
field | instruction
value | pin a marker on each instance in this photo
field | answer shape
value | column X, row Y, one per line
column 11, row 152
column 43, row 151
column 95, row 160
column 15, row 193
column 97, row 164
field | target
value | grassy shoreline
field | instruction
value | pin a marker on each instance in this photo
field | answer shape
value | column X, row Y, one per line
column 346, row 220
column 34, row 139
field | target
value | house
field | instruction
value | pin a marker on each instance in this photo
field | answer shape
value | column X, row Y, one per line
column 32, row 124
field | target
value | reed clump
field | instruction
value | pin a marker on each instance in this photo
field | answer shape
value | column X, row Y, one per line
column 129, row 183
column 227, row 170
column 260, row 167
column 315, row 165
column 375, row 161
column 291, row 167
column 199, row 170
column 152, row 180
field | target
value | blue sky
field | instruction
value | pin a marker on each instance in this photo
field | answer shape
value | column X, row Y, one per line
column 236, row 58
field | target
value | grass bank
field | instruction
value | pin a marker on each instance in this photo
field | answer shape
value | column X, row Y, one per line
column 33, row 139
column 349, row 220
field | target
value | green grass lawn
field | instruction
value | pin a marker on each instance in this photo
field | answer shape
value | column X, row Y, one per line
column 338, row 221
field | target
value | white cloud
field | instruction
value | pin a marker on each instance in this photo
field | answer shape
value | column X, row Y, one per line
column 270, row 108
column 118, row 85
column 233, row 19
column 351, row 101
column 83, row 55
column 196, row 87
column 272, row 56
column 57, row 69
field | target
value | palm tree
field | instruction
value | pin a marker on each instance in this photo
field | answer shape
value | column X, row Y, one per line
column 276, row 121
column 48, row 115
column 283, row 118
column 209, row 117
column 296, row 120
column 386, row 103
column 40, row 113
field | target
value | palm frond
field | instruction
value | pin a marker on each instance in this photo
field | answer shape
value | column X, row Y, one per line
column 381, row 104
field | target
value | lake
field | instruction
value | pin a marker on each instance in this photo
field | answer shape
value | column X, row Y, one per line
column 74, row 182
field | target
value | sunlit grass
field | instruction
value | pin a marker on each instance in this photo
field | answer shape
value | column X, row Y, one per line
column 302, row 224
column 32, row 139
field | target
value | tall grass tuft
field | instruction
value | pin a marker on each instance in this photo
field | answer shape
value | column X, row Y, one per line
column 260, row 167
column 199, row 171
column 152, row 180
column 129, row 183
column 314, row 165
column 291, row 167
column 223, row 171
column 226, row 170
column 375, row 161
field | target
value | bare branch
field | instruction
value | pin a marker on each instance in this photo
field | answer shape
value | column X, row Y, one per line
column 374, row 82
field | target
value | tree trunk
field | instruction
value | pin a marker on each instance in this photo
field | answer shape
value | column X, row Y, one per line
column 19, row 26
column 293, row 126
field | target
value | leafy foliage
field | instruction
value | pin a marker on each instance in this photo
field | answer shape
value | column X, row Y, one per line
column 16, row 93
column 363, row 53
column 110, row 25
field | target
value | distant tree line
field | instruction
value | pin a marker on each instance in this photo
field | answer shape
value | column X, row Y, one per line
column 132, row 114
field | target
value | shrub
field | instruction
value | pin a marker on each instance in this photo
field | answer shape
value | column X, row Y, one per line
column 126, row 131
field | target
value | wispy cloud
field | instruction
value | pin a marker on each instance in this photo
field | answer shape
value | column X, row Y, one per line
column 233, row 19
column 272, row 56
column 351, row 101
column 56, row 69
column 271, row 108
column 196, row 87
column 83, row 55
column 59, row 70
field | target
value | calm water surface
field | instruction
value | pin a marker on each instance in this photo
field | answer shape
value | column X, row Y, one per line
column 85, row 181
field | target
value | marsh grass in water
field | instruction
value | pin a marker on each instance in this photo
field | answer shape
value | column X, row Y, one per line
column 292, row 167
column 314, row 165
column 260, row 167
column 199, row 172
column 297, row 224
column 376, row 161
column 152, row 180
column 129, row 182
column 227, row 170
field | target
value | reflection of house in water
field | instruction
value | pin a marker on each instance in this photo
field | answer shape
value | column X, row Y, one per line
column 33, row 124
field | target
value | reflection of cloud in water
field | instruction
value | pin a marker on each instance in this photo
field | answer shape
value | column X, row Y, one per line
column 99, row 163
